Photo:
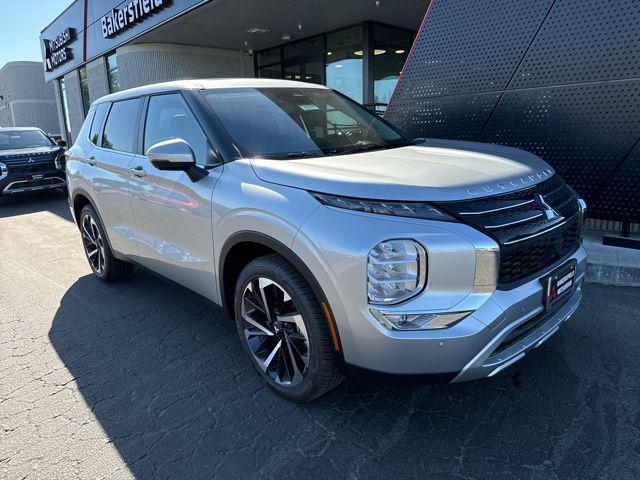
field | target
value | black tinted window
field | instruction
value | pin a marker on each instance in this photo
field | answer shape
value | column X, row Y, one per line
column 168, row 117
column 119, row 131
column 298, row 122
column 98, row 121
column 15, row 139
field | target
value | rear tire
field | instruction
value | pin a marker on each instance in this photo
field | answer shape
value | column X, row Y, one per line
column 96, row 247
column 288, row 342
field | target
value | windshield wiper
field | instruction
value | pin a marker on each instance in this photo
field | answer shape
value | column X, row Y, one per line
column 299, row 155
column 358, row 148
column 290, row 155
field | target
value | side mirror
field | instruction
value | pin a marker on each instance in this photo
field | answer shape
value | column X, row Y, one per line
column 175, row 155
column 61, row 143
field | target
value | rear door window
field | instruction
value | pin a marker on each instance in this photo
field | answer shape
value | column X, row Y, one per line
column 120, row 130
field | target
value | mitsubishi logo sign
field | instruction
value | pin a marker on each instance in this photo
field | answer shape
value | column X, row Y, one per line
column 547, row 209
column 56, row 50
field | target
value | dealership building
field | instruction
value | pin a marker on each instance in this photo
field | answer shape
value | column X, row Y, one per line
column 97, row 47
column 558, row 78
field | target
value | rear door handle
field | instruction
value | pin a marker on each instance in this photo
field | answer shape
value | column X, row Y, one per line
column 92, row 161
column 138, row 171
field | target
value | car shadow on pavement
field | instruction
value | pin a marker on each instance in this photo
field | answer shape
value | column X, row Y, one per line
column 162, row 370
column 54, row 201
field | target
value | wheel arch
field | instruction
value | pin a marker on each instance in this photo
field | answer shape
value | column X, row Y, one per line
column 80, row 199
column 241, row 248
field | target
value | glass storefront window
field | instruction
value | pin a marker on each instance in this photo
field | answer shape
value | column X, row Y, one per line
column 268, row 57
column 112, row 73
column 344, row 67
column 65, row 110
column 390, row 49
column 84, row 89
column 337, row 59
column 272, row 71
column 303, row 47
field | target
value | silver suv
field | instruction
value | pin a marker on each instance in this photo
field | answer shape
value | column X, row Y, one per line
column 339, row 246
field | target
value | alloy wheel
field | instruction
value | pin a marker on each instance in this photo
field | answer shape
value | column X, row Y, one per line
column 275, row 331
column 93, row 243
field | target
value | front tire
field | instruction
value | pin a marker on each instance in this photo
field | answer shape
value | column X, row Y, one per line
column 283, row 330
column 96, row 247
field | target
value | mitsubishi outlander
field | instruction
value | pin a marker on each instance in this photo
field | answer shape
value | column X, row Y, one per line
column 29, row 161
column 337, row 245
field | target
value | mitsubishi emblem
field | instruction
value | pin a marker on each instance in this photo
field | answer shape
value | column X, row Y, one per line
column 31, row 160
column 548, row 210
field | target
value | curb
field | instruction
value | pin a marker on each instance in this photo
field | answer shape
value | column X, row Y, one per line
column 611, row 265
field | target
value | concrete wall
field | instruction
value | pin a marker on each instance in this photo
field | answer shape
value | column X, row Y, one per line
column 28, row 101
column 154, row 62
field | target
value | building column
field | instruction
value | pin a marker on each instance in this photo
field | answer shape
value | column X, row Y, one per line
column 74, row 101
column 58, row 95
column 97, row 78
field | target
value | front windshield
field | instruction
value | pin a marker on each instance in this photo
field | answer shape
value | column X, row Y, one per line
column 16, row 139
column 298, row 122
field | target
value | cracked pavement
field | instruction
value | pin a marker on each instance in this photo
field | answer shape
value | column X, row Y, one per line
column 145, row 379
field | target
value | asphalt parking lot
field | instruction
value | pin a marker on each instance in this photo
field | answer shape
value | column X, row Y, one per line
column 146, row 379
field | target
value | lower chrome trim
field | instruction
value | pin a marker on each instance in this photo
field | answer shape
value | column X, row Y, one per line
column 9, row 190
column 486, row 365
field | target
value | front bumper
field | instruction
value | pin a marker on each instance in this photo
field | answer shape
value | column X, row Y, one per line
column 24, row 182
column 472, row 348
column 482, row 344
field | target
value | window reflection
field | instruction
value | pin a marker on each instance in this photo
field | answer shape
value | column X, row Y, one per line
column 345, row 62
column 390, row 49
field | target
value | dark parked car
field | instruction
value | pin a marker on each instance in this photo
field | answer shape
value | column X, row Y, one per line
column 30, row 161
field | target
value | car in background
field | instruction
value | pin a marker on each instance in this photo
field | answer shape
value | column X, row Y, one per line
column 30, row 161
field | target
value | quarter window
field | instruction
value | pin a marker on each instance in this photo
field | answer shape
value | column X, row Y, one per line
column 98, row 121
column 169, row 117
column 119, row 131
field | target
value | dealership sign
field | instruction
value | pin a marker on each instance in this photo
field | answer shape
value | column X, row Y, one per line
column 130, row 13
column 56, row 50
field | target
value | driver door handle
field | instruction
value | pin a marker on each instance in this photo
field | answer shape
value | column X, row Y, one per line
column 91, row 160
column 138, row 171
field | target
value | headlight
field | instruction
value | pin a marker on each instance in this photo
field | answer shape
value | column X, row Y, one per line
column 396, row 271
column 4, row 170
column 398, row 209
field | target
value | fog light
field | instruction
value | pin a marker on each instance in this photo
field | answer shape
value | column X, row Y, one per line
column 418, row 321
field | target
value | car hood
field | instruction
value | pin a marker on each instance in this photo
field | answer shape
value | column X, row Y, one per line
column 435, row 170
column 22, row 153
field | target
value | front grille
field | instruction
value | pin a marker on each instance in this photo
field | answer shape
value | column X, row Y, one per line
column 529, row 240
column 30, row 163
column 33, row 168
